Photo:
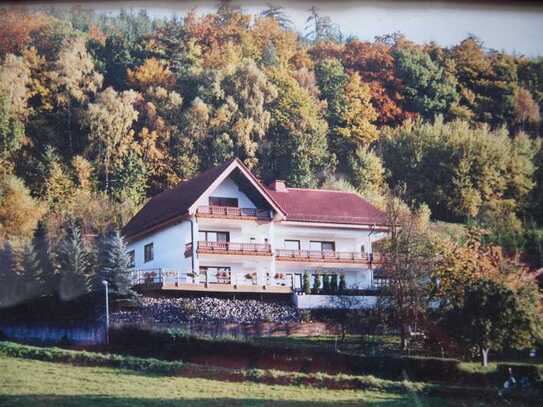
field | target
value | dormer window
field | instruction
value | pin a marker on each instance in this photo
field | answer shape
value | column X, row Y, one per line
column 220, row 201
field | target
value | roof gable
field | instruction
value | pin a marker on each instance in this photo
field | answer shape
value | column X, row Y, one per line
column 183, row 199
column 246, row 175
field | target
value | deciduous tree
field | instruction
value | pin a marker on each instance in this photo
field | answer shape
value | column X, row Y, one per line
column 19, row 212
column 410, row 253
column 492, row 316
column 109, row 120
column 296, row 146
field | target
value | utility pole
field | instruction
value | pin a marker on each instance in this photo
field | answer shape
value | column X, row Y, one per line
column 105, row 283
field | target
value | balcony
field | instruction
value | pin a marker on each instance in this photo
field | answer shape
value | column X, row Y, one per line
column 228, row 212
column 251, row 249
column 176, row 280
column 328, row 256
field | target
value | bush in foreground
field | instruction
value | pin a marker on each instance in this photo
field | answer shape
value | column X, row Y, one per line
column 84, row 358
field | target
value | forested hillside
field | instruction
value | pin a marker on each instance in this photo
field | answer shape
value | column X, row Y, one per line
column 98, row 113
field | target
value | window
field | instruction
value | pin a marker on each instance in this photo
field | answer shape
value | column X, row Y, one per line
column 292, row 244
column 131, row 258
column 323, row 246
column 211, row 236
column 219, row 201
column 148, row 252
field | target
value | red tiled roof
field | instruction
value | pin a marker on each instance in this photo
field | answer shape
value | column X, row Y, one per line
column 306, row 205
column 173, row 202
column 317, row 205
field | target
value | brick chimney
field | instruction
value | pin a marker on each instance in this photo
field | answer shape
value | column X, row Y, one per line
column 278, row 186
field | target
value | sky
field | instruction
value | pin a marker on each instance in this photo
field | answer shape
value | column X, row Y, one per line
column 515, row 27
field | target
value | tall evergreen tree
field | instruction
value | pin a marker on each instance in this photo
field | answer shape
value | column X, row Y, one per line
column 115, row 263
column 32, row 278
column 10, row 281
column 75, row 267
column 45, row 257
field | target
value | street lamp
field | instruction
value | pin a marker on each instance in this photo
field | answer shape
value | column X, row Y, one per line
column 104, row 282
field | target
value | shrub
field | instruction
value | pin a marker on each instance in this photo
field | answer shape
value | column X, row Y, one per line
column 342, row 283
column 326, row 282
column 307, row 283
column 305, row 315
column 89, row 358
column 316, row 283
column 333, row 282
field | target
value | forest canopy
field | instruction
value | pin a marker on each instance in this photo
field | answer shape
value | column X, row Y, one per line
column 100, row 112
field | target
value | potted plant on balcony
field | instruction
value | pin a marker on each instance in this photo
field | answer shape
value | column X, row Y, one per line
column 192, row 275
column 222, row 276
column 251, row 276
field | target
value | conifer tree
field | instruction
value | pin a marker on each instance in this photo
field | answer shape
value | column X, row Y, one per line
column 333, row 282
column 10, row 286
column 32, row 279
column 116, row 264
column 45, row 257
column 75, row 267
column 307, row 283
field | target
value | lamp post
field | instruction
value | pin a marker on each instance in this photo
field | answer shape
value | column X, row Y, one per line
column 104, row 282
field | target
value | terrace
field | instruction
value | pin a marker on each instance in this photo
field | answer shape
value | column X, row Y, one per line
column 172, row 279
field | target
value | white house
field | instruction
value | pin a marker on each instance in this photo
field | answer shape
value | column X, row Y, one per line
column 224, row 231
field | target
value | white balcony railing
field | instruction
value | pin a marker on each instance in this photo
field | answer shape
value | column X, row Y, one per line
column 159, row 276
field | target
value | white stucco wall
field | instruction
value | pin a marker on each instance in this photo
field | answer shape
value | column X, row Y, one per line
column 227, row 189
column 168, row 246
column 346, row 240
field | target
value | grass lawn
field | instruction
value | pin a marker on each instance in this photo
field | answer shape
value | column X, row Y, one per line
column 35, row 383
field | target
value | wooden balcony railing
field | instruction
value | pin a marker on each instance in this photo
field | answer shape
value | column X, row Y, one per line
column 260, row 249
column 232, row 212
column 328, row 256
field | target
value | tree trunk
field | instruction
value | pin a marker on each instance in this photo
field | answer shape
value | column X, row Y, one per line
column 484, row 356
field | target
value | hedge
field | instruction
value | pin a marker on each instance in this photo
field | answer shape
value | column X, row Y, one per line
column 84, row 358
column 271, row 377
column 150, row 365
column 178, row 345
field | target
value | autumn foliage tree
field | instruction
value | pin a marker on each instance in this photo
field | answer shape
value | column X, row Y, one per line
column 487, row 301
